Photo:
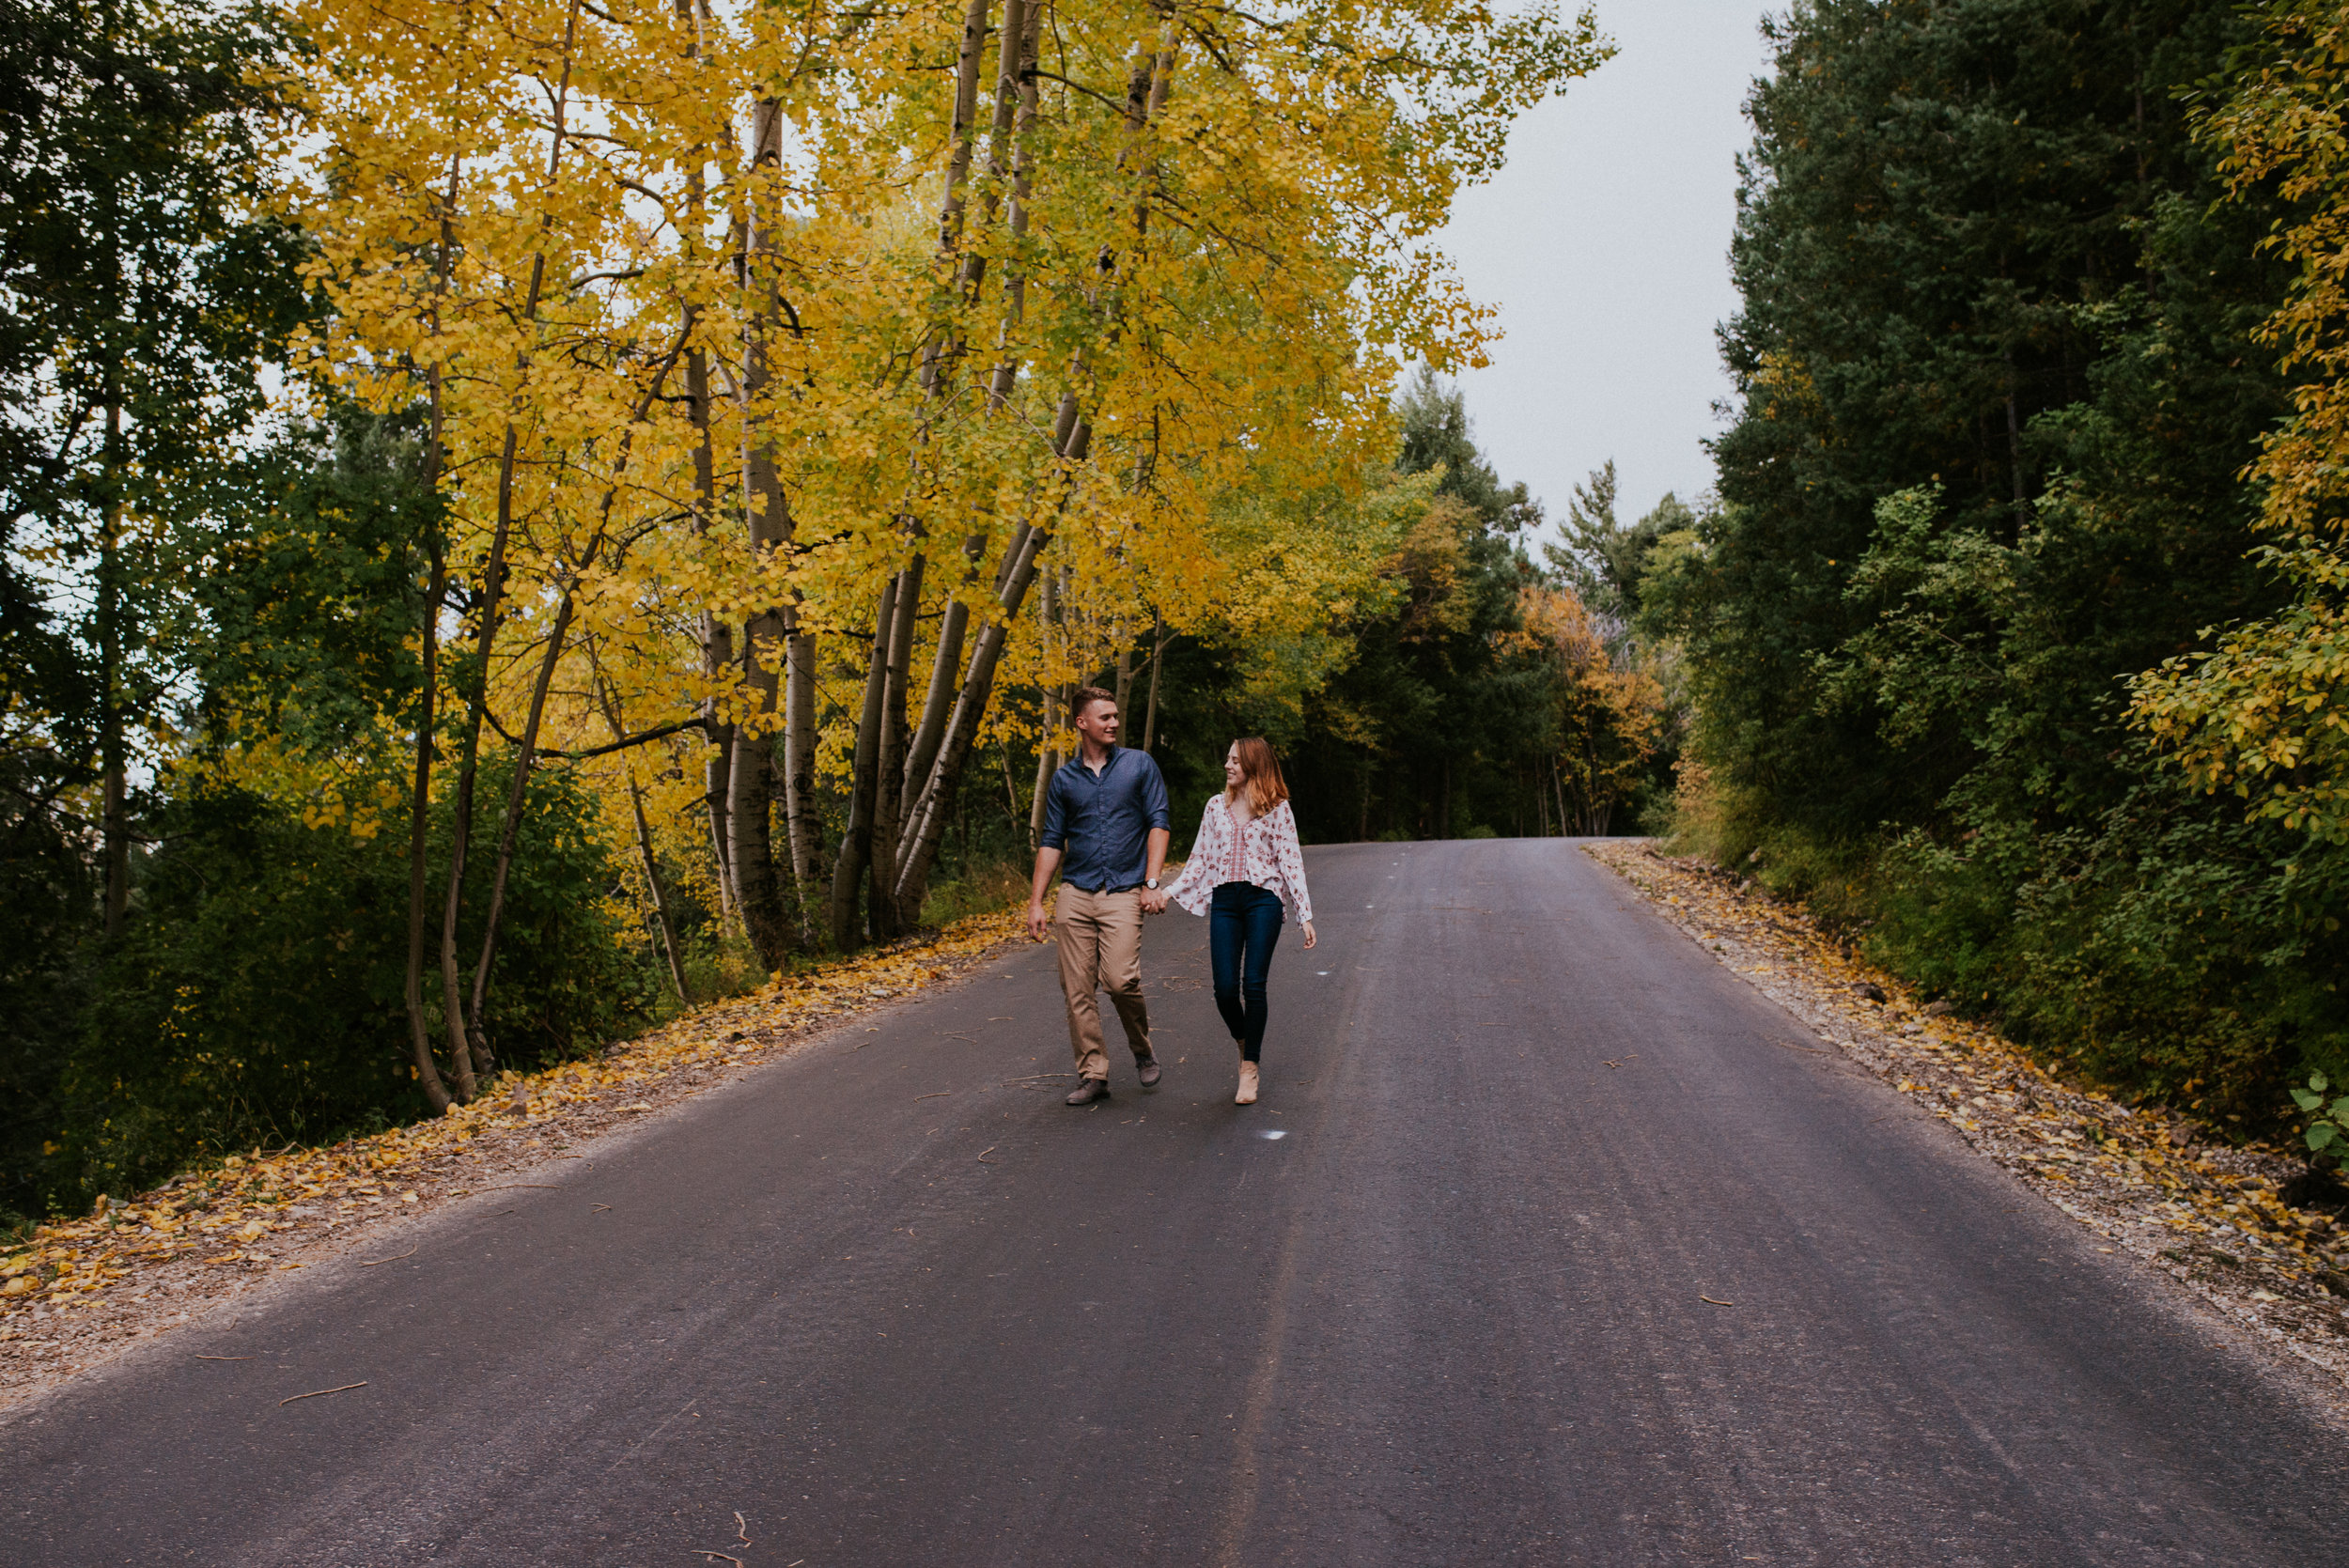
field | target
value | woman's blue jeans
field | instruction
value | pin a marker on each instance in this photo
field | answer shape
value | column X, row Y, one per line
column 1243, row 923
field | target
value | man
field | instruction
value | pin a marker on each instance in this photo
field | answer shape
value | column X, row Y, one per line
column 1105, row 832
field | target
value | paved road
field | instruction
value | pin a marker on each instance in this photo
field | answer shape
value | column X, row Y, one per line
column 1440, row 1299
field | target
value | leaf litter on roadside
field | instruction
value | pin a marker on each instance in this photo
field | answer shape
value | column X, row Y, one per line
column 75, row 1283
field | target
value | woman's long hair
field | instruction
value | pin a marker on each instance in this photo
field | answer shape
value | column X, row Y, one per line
column 1260, row 774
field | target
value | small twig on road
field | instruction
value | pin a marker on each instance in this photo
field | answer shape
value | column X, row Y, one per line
column 372, row 1262
column 723, row 1556
column 1710, row 1301
column 989, row 1150
column 1033, row 1077
column 516, row 1187
column 939, row 1096
column 953, row 1036
column 741, row 1529
column 315, row 1393
column 598, row 1208
column 224, row 1358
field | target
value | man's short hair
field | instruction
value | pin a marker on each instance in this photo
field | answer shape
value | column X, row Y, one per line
column 1085, row 697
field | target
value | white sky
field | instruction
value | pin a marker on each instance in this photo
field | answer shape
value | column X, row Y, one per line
column 1603, row 243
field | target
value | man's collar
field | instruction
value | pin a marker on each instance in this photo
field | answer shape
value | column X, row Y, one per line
column 1109, row 754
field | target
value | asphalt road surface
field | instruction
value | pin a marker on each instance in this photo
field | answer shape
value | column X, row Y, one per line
column 1440, row 1299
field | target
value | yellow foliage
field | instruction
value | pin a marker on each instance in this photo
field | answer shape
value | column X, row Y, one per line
column 2263, row 712
column 530, row 216
column 1610, row 705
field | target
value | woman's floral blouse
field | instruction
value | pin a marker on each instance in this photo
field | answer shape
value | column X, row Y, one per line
column 1263, row 850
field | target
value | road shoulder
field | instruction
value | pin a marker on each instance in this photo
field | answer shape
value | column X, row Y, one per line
column 83, row 1293
column 2206, row 1216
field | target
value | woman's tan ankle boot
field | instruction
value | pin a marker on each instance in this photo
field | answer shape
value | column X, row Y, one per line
column 1247, row 1094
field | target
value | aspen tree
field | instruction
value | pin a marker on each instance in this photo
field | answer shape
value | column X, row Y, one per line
column 1056, row 304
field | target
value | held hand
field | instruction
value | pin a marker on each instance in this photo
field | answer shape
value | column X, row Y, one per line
column 1040, row 925
column 1153, row 903
column 1309, row 938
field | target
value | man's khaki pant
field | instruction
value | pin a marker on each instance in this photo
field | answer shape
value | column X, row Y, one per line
column 1100, row 949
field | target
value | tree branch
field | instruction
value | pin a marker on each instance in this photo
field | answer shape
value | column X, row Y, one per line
column 662, row 733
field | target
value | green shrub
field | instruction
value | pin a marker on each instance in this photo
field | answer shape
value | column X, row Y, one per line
column 976, row 890
column 256, row 997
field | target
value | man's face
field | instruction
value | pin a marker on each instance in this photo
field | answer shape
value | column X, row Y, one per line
column 1098, row 723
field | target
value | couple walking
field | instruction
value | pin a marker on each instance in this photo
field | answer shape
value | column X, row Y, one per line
column 1105, row 832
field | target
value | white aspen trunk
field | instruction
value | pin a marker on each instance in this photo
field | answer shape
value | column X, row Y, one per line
column 1047, row 754
column 1072, row 441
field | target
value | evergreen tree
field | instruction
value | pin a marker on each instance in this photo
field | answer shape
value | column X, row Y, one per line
column 1999, row 378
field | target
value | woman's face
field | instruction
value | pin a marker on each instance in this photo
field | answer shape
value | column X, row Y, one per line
column 1232, row 773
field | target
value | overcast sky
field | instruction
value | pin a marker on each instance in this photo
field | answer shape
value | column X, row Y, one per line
column 1603, row 243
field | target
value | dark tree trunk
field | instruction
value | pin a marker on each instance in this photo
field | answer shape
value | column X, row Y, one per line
column 525, row 755
column 1158, row 660
column 750, row 786
column 420, row 821
column 113, row 751
column 803, row 825
column 856, row 845
column 717, row 641
column 889, row 792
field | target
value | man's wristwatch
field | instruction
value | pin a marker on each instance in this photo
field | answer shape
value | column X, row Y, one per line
column 1151, row 882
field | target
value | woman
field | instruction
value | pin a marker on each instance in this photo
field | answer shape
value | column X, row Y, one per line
column 1244, row 863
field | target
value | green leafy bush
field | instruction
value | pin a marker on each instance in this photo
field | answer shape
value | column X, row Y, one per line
column 256, row 999
column 2328, row 1129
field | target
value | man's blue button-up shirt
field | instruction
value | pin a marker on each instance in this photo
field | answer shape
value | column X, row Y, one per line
column 1101, row 822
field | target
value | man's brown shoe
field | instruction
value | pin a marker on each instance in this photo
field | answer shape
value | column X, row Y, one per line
column 1089, row 1090
column 1150, row 1071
